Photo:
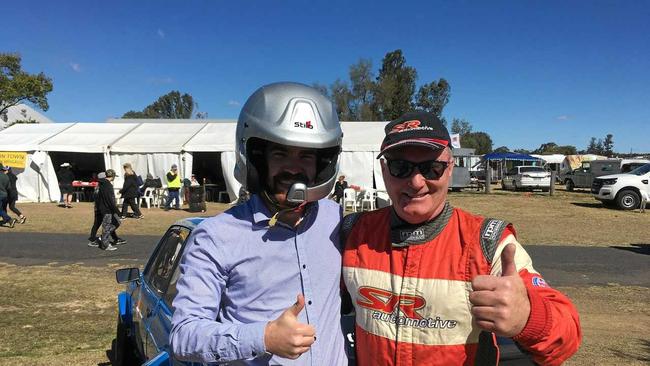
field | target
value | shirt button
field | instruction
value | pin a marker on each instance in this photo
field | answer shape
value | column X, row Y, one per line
column 304, row 266
column 309, row 302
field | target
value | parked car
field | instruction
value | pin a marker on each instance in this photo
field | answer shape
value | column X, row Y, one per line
column 583, row 177
column 145, row 309
column 623, row 190
column 527, row 177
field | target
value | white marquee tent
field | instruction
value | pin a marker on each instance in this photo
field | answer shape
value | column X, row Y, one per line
column 152, row 146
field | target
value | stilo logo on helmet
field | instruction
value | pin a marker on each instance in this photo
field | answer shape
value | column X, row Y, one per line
column 294, row 115
column 304, row 125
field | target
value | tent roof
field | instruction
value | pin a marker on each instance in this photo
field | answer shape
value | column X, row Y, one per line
column 509, row 156
column 28, row 136
column 551, row 159
column 148, row 137
column 87, row 137
column 214, row 137
column 157, row 137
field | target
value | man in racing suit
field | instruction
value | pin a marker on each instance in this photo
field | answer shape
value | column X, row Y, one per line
column 432, row 284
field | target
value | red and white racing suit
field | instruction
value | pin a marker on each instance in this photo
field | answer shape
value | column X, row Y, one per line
column 412, row 302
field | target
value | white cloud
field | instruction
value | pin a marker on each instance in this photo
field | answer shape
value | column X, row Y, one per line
column 75, row 67
column 161, row 33
column 234, row 103
column 563, row 117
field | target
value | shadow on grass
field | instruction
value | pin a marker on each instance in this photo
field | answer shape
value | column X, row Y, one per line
column 635, row 248
column 589, row 204
column 642, row 355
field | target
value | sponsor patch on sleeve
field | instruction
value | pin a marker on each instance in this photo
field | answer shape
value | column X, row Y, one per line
column 539, row 282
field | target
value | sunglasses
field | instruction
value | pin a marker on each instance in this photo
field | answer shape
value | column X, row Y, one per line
column 430, row 169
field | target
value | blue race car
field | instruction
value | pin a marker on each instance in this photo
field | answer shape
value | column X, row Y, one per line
column 145, row 308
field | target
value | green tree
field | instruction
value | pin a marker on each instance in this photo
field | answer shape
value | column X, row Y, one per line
column 461, row 127
column 522, row 151
column 17, row 86
column 502, row 149
column 479, row 141
column 395, row 87
column 608, row 145
column 592, row 147
column 172, row 105
column 433, row 97
column 566, row 150
column 342, row 98
column 362, row 90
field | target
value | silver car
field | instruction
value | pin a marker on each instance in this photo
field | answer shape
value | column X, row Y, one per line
column 527, row 177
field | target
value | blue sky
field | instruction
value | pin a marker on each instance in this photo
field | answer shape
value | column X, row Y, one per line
column 526, row 72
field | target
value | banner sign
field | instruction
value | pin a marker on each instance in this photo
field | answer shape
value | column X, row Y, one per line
column 13, row 159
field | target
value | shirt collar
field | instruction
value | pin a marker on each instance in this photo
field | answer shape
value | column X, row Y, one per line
column 262, row 215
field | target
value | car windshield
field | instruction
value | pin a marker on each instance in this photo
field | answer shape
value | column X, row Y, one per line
column 643, row 169
column 531, row 169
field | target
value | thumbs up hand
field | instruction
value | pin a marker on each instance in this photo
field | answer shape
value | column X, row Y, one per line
column 500, row 304
column 286, row 336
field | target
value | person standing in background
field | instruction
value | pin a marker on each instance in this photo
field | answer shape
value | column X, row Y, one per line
column 13, row 196
column 173, row 186
column 5, row 187
column 339, row 187
column 65, row 177
column 130, row 192
column 107, row 213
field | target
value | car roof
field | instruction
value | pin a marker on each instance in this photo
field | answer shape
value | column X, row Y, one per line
column 190, row 222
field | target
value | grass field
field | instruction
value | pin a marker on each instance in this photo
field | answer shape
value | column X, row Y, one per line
column 41, row 323
column 567, row 218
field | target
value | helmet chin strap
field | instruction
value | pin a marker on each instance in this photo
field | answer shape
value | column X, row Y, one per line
column 275, row 205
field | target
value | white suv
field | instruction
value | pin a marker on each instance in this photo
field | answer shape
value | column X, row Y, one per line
column 624, row 190
column 527, row 177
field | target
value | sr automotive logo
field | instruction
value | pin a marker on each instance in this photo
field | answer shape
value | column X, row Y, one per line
column 397, row 309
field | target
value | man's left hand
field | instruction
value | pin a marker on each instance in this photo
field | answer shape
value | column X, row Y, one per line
column 500, row 304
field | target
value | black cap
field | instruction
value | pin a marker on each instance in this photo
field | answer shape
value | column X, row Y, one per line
column 415, row 128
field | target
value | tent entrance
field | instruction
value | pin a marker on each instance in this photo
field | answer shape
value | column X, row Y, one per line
column 84, row 165
column 206, row 166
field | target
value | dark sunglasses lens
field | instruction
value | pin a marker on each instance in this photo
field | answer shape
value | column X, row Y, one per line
column 432, row 169
column 400, row 168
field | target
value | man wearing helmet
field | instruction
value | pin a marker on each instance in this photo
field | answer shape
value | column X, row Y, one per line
column 259, row 283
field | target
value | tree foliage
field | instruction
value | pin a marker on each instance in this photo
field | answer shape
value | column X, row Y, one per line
column 172, row 105
column 553, row 148
column 17, row 86
column 395, row 86
column 479, row 141
column 461, row 127
column 388, row 95
column 601, row 147
column 433, row 97
column 502, row 149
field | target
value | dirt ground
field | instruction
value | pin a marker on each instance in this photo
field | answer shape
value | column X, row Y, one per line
column 66, row 315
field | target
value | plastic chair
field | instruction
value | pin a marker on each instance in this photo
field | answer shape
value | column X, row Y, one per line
column 149, row 197
column 369, row 199
column 350, row 199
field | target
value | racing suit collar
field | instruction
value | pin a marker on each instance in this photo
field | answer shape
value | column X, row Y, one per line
column 403, row 234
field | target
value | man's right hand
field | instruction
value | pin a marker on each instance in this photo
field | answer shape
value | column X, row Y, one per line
column 286, row 336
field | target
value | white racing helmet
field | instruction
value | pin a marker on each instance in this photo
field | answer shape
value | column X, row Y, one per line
column 289, row 114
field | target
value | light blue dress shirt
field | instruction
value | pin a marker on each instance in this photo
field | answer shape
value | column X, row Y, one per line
column 237, row 274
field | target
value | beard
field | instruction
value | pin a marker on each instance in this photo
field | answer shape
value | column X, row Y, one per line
column 281, row 183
